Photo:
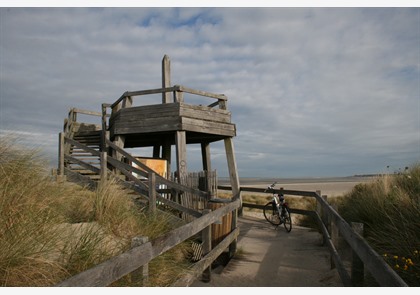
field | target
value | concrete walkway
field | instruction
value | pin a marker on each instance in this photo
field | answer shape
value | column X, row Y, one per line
column 270, row 257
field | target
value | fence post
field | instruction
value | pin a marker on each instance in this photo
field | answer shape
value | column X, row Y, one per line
column 152, row 193
column 334, row 235
column 140, row 275
column 206, row 238
column 104, row 157
column 319, row 211
column 60, row 176
column 357, row 266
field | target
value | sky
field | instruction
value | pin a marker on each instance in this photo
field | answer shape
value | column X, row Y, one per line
column 313, row 91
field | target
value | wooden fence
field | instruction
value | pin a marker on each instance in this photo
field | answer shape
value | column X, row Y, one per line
column 117, row 267
column 332, row 225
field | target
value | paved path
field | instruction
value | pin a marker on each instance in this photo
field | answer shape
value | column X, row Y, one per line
column 269, row 257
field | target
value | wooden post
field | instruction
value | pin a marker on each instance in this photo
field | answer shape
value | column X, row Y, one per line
column 127, row 102
column 205, row 155
column 181, row 155
column 60, row 176
column 325, row 216
column 206, row 238
column 166, row 78
column 156, row 151
column 104, row 167
column 166, row 154
column 357, row 266
column 166, row 98
column 334, row 235
column 140, row 275
column 104, row 157
column 152, row 193
column 234, row 182
column 178, row 96
column 319, row 211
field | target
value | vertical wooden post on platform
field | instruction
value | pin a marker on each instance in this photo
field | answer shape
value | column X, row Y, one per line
column 357, row 266
column 205, row 156
column 236, row 193
column 166, row 98
column 166, row 78
column 181, row 155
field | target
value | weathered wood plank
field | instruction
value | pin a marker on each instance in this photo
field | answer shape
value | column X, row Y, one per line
column 81, row 146
column 86, row 112
column 144, row 92
column 204, row 113
column 202, row 93
column 150, row 126
column 113, row 269
column 79, row 179
column 83, row 164
column 277, row 191
column 208, row 127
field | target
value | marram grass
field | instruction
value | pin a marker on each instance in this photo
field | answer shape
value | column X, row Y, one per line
column 51, row 231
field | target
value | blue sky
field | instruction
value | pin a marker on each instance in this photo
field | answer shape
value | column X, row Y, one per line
column 313, row 91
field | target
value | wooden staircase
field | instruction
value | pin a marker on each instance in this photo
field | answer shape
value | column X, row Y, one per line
column 91, row 139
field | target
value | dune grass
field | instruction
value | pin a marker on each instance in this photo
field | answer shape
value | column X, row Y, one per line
column 51, row 231
column 389, row 208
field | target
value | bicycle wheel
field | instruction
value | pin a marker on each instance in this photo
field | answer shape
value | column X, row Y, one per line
column 287, row 218
column 271, row 214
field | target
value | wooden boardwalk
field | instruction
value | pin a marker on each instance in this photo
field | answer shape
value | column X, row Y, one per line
column 269, row 257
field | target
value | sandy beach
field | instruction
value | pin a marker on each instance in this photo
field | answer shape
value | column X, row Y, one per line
column 332, row 187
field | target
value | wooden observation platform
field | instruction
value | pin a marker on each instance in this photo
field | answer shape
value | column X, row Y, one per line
column 96, row 151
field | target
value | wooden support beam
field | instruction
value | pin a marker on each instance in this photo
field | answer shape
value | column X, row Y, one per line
column 166, row 154
column 181, row 155
column 236, row 191
column 156, row 151
column 205, row 155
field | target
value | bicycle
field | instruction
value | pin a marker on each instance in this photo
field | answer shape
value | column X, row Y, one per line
column 277, row 211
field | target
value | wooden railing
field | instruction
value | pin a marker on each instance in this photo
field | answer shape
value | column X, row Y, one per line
column 177, row 91
column 117, row 267
column 332, row 225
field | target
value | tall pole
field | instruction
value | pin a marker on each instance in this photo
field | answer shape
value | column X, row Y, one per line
column 166, row 98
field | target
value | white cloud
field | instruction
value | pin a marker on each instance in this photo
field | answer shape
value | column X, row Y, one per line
column 307, row 88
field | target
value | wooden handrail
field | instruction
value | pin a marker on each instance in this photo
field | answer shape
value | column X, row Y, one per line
column 115, row 268
column 176, row 88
